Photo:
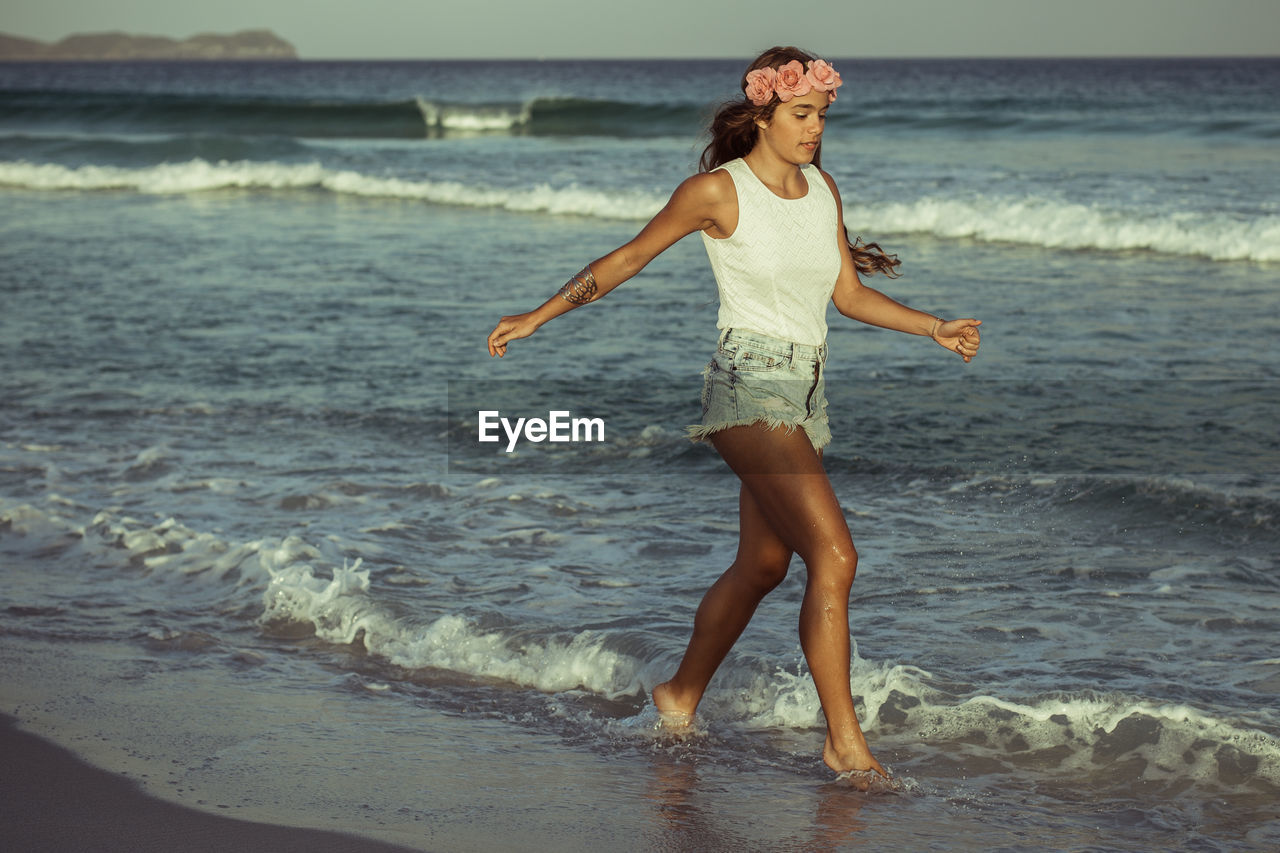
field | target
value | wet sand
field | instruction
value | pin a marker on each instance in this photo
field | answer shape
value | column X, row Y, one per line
column 52, row 801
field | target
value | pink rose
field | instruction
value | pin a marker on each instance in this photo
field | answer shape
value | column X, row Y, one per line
column 823, row 77
column 760, row 85
column 792, row 82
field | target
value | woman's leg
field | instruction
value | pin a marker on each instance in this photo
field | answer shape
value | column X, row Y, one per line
column 789, row 486
column 727, row 607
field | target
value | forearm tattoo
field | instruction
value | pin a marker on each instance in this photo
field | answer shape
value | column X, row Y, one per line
column 580, row 289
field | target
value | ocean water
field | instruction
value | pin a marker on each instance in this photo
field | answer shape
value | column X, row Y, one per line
column 253, row 553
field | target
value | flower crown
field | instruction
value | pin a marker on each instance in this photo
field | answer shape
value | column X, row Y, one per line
column 791, row 81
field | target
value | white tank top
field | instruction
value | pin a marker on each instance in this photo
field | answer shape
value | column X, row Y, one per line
column 778, row 269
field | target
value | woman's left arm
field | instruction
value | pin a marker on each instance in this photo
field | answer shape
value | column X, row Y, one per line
column 867, row 305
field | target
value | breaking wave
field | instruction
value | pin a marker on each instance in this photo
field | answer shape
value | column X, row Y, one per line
column 1019, row 220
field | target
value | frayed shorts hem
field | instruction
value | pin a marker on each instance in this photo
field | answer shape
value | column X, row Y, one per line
column 702, row 432
column 758, row 379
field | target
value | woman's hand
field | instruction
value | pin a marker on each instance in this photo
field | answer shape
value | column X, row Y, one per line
column 959, row 336
column 510, row 329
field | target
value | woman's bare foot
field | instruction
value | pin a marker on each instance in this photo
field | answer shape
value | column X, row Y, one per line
column 856, row 761
column 675, row 709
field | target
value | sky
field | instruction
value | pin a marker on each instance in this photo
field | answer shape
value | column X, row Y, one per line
column 556, row 29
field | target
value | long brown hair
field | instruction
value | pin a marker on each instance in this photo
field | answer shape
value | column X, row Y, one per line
column 734, row 133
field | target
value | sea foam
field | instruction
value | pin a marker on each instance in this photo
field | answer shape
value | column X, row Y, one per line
column 1026, row 221
column 1067, row 735
column 203, row 176
column 340, row 610
column 471, row 118
column 1068, row 225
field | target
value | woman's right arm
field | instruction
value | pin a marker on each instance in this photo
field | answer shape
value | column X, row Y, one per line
column 701, row 202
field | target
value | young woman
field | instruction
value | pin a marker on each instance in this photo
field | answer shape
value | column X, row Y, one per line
column 773, row 227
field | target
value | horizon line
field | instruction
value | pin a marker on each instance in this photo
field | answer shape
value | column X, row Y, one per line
column 645, row 58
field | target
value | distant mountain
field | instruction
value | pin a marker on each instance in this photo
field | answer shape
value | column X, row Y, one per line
column 249, row 44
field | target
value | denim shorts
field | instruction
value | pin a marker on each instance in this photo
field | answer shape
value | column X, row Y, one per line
column 754, row 378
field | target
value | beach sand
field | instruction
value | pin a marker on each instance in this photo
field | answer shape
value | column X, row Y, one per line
column 170, row 757
column 177, row 745
column 51, row 800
